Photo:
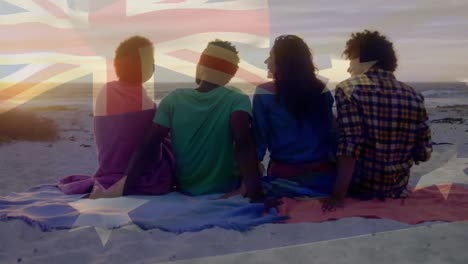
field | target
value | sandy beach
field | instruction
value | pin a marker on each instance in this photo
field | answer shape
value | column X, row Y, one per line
column 350, row 240
column 57, row 54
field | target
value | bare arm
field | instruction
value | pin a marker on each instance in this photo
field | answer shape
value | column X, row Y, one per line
column 260, row 126
column 145, row 154
column 349, row 146
column 245, row 154
column 345, row 168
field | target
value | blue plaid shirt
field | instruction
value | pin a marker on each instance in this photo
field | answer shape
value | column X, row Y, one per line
column 384, row 125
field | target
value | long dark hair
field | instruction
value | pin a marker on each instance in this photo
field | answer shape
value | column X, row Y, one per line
column 298, row 87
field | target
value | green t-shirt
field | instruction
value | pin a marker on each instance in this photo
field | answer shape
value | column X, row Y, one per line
column 201, row 137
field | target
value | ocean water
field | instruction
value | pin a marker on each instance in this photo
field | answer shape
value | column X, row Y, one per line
column 443, row 94
column 436, row 94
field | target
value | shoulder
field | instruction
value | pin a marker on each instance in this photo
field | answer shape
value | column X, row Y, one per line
column 236, row 100
column 176, row 93
column 266, row 88
column 233, row 90
column 100, row 102
column 109, row 86
column 235, row 93
column 410, row 89
column 361, row 79
column 181, row 92
column 264, row 91
column 413, row 97
column 349, row 86
column 169, row 99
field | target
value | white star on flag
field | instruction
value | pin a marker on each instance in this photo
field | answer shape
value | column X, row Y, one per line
column 337, row 73
column 443, row 170
column 105, row 214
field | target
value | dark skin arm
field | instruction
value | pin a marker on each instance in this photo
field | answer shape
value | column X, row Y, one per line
column 246, row 156
column 345, row 167
column 349, row 122
column 145, row 154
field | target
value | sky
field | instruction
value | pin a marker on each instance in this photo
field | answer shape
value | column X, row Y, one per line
column 430, row 36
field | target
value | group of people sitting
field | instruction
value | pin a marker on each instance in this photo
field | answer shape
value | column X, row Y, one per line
column 212, row 139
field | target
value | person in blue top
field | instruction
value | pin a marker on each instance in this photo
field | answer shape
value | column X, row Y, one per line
column 293, row 118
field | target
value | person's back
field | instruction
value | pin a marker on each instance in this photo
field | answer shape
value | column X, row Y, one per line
column 202, row 139
column 383, row 122
column 392, row 115
column 210, row 126
column 293, row 117
column 287, row 140
column 122, row 115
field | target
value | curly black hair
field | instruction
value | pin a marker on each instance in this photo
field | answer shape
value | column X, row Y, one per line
column 133, row 60
column 225, row 45
column 229, row 69
column 132, row 45
column 372, row 46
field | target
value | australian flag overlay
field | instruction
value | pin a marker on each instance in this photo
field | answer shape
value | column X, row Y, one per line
column 58, row 42
column 61, row 51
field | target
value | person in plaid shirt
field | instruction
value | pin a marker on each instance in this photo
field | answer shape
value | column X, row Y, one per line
column 383, row 124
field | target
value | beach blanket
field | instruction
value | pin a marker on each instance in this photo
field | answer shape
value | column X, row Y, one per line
column 47, row 207
column 448, row 203
column 117, row 134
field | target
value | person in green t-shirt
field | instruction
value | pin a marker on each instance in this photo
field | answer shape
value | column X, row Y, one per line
column 210, row 128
